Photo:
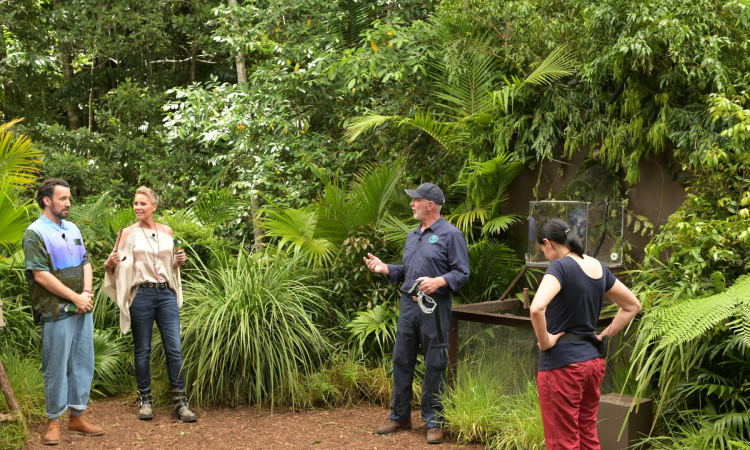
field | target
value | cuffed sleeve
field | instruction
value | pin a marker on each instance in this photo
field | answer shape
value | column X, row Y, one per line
column 396, row 273
column 458, row 262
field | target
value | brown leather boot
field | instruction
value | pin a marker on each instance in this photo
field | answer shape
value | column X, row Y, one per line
column 434, row 435
column 52, row 436
column 391, row 426
column 79, row 425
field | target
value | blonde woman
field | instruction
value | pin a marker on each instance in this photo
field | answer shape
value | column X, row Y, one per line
column 143, row 278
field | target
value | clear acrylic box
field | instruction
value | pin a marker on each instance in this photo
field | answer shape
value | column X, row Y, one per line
column 587, row 221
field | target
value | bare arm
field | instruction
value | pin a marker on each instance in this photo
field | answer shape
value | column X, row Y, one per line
column 629, row 307
column 179, row 257
column 88, row 278
column 48, row 281
column 114, row 257
column 549, row 287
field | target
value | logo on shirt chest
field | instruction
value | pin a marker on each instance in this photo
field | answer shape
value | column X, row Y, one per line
column 433, row 238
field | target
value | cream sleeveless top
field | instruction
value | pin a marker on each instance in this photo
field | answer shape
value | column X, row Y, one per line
column 146, row 256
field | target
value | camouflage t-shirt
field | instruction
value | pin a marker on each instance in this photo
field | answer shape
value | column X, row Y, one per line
column 57, row 249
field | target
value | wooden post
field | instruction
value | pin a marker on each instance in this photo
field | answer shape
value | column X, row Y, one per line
column 526, row 300
column 513, row 283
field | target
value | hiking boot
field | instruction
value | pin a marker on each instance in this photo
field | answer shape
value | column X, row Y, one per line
column 434, row 435
column 144, row 405
column 181, row 410
column 391, row 426
column 52, row 436
column 79, row 425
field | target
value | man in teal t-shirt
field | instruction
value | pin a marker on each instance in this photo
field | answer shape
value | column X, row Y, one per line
column 60, row 278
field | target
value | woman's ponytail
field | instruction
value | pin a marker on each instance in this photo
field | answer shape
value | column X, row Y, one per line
column 556, row 230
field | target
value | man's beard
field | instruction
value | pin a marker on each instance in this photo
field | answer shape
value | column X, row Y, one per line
column 60, row 214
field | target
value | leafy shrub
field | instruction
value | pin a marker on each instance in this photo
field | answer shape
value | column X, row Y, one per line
column 26, row 379
column 20, row 333
column 112, row 363
column 248, row 333
column 377, row 324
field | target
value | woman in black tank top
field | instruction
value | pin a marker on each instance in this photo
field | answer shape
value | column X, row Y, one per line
column 569, row 301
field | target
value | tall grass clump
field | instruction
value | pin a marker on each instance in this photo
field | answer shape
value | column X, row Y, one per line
column 248, row 331
column 484, row 406
column 26, row 378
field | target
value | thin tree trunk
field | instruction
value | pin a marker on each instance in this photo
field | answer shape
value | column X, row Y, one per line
column 193, row 56
column 67, row 68
column 74, row 119
column 242, row 79
column 10, row 398
column 91, row 96
column 3, row 52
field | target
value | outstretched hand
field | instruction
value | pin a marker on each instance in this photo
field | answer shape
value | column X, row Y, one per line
column 375, row 264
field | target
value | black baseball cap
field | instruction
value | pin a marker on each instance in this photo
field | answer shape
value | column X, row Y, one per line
column 428, row 191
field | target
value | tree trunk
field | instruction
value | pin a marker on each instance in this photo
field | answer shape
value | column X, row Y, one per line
column 193, row 56
column 67, row 68
column 242, row 79
column 74, row 118
column 3, row 52
column 10, row 398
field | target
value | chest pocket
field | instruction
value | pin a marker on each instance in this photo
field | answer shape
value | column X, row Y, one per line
column 438, row 245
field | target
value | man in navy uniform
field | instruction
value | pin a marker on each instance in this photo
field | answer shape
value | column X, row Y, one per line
column 435, row 254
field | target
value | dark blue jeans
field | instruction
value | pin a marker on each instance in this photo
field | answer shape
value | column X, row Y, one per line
column 415, row 327
column 158, row 305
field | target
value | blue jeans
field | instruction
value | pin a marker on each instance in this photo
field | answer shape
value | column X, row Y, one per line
column 158, row 305
column 67, row 363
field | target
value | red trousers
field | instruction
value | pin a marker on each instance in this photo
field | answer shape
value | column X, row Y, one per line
column 569, row 398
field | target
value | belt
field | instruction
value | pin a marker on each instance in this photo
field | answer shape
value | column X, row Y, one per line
column 419, row 297
column 155, row 285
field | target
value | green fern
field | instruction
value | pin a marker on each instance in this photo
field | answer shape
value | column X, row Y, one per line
column 669, row 338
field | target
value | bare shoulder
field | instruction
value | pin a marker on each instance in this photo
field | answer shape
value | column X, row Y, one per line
column 167, row 229
column 125, row 233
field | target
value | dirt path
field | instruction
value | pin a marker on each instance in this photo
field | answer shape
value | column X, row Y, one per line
column 242, row 428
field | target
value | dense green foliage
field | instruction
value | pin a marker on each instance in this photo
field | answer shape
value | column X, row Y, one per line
column 292, row 126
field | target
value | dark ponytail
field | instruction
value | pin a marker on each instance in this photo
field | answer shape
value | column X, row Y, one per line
column 556, row 230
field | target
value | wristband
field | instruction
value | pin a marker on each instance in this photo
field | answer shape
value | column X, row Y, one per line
column 88, row 291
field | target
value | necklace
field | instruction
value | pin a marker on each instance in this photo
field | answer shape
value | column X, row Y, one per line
column 566, row 254
column 156, row 255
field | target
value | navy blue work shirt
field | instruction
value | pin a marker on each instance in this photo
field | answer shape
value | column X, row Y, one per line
column 438, row 251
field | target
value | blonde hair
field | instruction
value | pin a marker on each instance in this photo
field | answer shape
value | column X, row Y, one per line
column 148, row 192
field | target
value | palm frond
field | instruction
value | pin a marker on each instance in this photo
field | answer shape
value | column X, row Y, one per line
column 500, row 224
column 296, row 227
column 18, row 157
column 560, row 63
column 216, row 206
column 14, row 215
column 470, row 93
column 466, row 215
column 394, row 230
column 372, row 189
column 359, row 125
column 492, row 265
column 378, row 322
column 336, row 217
column 448, row 134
